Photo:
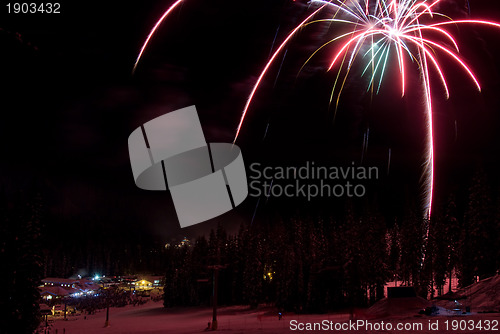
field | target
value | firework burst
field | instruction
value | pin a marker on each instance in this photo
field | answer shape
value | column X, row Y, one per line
column 411, row 29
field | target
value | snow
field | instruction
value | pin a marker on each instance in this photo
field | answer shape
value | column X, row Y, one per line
column 397, row 306
column 56, row 290
column 152, row 318
column 483, row 296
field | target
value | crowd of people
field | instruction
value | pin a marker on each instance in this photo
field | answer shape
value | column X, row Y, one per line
column 110, row 297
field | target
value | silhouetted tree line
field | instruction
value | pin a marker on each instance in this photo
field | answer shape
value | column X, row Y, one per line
column 297, row 264
column 90, row 253
column 316, row 264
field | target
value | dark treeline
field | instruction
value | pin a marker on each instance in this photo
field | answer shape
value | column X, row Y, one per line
column 311, row 263
column 295, row 264
column 88, row 253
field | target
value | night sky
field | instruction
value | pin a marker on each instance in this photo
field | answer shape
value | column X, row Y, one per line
column 70, row 101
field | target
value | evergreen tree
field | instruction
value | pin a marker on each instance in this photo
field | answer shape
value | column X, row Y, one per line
column 453, row 230
column 412, row 234
column 444, row 239
column 394, row 258
column 479, row 233
column 254, row 268
column 20, row 255
column 375, row 251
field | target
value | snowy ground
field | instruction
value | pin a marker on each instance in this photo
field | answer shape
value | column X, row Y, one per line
column 152, row 318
